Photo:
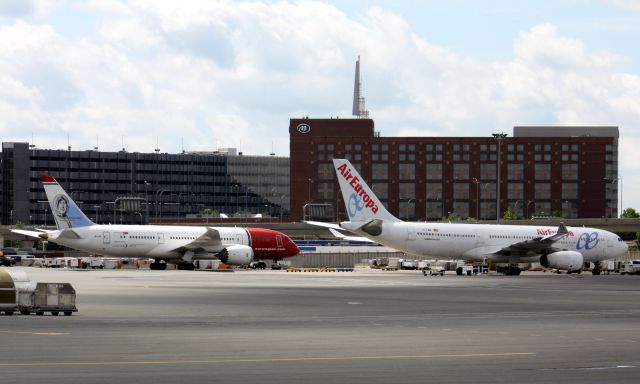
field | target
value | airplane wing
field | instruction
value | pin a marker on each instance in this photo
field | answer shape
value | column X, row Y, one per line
column 208, row 241
column 537, row 245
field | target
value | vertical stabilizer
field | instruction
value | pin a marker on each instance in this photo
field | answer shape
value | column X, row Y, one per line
column 64, row 210
column 361, row 203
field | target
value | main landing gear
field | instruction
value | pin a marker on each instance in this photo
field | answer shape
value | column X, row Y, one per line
column 158, row 266
column 511, row 270
column 186, row 266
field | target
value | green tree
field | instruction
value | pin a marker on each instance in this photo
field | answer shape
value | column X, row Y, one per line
column 509, row 215
column 209, row 212
column 630, row 213
column 638, row 239
column 452, row 217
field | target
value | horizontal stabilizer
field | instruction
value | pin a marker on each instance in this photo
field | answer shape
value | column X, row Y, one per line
column 38, row 235
column 323, row 224
column 339, row 235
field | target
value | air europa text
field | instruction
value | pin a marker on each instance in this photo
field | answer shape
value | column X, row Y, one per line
column 354, row 182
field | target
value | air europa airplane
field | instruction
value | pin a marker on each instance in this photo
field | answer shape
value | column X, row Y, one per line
column 180, row 245
column 564, row 248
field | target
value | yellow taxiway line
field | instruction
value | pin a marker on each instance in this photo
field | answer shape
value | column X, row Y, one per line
column 268, row 360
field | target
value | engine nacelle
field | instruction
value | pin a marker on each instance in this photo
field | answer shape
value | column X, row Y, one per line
column 565, row 260
column 236, row 255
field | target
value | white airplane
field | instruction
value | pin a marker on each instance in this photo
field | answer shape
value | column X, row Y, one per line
column 563, row 248
column 180, row 245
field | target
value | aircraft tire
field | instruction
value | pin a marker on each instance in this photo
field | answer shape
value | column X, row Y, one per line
column 158, row 266
column 186, row 267
column 459, row 271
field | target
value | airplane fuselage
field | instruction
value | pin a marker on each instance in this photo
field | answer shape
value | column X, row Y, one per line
column 473, row 242
column 167, row 242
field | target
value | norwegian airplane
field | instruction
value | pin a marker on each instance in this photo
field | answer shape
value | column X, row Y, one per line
column 180, row 245
column 563, row 248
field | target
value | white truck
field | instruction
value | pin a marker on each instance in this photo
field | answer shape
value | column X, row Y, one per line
column 630, row 267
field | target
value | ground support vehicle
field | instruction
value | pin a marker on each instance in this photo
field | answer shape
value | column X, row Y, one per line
column 51, row 297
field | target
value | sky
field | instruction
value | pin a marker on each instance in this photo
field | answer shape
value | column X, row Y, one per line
column 198, row 75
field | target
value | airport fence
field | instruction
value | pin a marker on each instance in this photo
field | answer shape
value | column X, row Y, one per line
column 337, row 260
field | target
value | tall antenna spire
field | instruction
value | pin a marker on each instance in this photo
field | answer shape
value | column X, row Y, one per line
column 359, row 109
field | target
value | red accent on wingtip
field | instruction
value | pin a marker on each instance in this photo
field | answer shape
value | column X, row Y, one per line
column 47, row 179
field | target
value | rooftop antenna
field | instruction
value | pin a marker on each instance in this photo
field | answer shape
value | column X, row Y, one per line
column 68, row 145
column 96, row 147
column 182, row 144
column 157, row 146
column 359, row 109
column 33, row 144
column 272, row 151
column 122, row 137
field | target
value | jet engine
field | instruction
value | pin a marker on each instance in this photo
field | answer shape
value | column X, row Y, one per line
column 236, row 255
column 565, row 260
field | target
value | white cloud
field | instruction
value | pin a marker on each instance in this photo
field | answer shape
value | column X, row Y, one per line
column 225, row 72
column 632, row 5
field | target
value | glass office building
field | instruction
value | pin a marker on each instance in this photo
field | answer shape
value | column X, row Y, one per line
column 115, row 187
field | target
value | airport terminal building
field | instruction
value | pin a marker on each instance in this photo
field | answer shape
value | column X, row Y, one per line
column 544, row 171
column 115, row 187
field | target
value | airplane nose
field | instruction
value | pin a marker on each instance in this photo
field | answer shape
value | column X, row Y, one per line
column 292, row 248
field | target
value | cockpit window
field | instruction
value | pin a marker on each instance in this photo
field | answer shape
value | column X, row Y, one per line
column 619, row 239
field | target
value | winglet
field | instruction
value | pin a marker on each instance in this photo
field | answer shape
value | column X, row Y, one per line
column 562, row 229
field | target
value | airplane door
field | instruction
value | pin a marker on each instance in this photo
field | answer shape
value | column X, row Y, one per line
column 160, row 238
column 279, row 241
column 239, row 239
column 411, row 233
column 608, row 250
column 106, row 238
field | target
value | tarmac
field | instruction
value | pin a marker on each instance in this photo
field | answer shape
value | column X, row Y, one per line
column 254, row 326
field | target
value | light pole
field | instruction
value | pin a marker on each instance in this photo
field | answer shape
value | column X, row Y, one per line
column 428, row 207
column 409, row 205
column 180, row 205
column 281, row 197
column 499, row 137
column 529, row 202
column 514, row 207
column 158, row 193
column 477, row 182
column 146, row 201
column 614, row 180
